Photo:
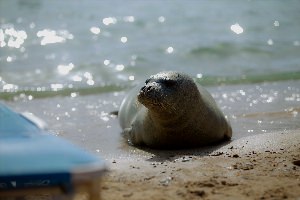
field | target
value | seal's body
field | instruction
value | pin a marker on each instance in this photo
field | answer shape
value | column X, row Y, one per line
column 171, row 111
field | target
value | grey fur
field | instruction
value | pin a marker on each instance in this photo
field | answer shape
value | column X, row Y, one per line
column 171, row 111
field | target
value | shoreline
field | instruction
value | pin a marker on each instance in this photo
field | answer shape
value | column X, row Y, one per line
column 257, row 167
column 86, row 120
column 246, row 168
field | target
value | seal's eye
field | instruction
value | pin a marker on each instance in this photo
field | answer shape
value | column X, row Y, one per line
column 168, row 82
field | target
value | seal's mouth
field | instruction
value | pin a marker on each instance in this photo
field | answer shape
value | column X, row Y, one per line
column 147, row 92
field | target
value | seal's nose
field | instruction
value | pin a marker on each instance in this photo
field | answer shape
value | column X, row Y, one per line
column 147, row 88
column 143, row 88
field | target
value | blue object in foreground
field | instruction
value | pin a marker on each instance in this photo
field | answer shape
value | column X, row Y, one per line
column 31, row 158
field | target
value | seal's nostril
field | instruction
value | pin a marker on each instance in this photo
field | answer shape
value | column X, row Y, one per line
column 149, row 88
column 143, row 88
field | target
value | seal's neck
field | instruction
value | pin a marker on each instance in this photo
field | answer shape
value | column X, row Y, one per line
column 161, row 116
column 167, row 121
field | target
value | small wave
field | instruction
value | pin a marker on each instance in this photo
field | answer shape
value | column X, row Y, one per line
column 17, row 94
column 248, row 79
column 226, row 49
column 205, row 81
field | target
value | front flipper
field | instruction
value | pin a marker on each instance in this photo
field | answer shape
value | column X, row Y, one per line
column 132, row 137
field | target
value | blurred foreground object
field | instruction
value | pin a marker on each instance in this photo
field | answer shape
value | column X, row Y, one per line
column 33, row 162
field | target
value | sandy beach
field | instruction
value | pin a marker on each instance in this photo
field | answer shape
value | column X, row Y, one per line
column 261, row 161
column 265, row 166
column 71, row 63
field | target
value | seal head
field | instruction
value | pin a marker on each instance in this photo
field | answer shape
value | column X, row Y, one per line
column 160, row 93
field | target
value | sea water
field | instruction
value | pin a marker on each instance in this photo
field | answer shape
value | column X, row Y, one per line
column 72, row 62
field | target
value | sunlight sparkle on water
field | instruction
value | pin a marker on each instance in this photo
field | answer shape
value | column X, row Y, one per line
column 170, row 50
column 236, row 28
column 73, row 94
column 106, row 62
column 56, row 86
column 161, row 19
column 2, row 42
column 104, row 116
column 199, row 75
column 90, row 82
column 51, row 36
column 14, row 38
column 77, row 78
column 270, row 42
column 293, row 97
column 30, row 97
column 109, row 20
column 129, row 19
column 123, row 39
column 242, row 92
column 276, row 23
column 32, row 25
column 131, row 78
column 65, row 69
column 9, row 59
column 120, row 67
column 9, row 87
column 88, row 75
column 95, row 30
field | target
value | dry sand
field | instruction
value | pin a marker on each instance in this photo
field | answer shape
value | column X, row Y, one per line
column 258, row 167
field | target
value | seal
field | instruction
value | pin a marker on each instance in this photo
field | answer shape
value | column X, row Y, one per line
column 171, row 111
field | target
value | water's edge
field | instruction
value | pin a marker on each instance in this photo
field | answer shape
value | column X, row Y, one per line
column 10, row 95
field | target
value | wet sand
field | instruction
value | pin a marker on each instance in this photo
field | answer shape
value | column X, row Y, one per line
column 265, row 166
column 85, row 120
